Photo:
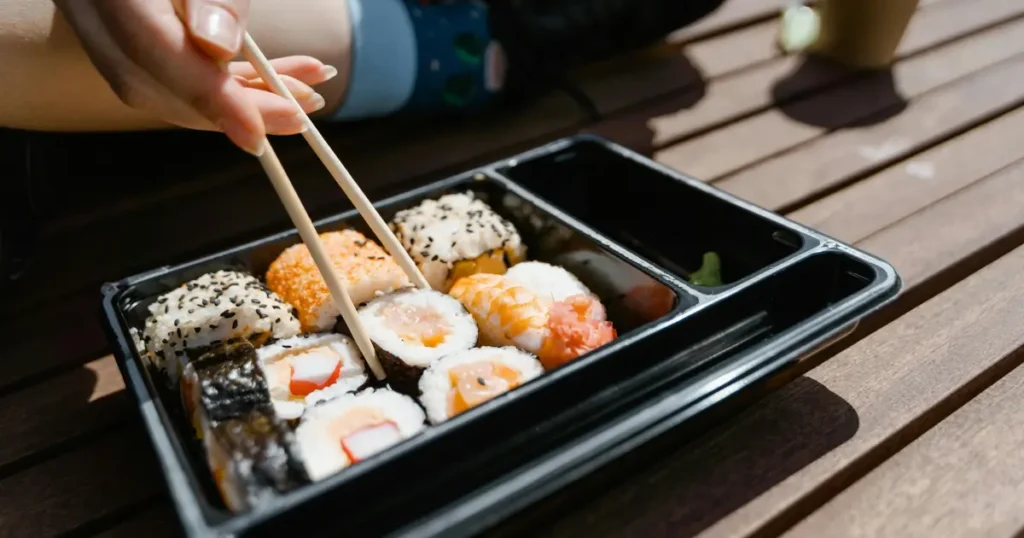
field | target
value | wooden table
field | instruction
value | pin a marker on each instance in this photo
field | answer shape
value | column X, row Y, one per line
column 913, row 428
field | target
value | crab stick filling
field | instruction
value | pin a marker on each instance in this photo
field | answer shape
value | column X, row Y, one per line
column 363, row 432
column 305, row 371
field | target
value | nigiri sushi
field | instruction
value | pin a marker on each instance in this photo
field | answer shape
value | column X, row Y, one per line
column 213, row 309
column 457, row 235
column 510, row 314
column 467, row 379
column 343, row 431
column 364, row 267
column 309, row 368
column 413, row 328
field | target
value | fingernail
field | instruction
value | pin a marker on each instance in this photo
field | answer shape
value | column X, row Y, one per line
column 328, row 72
column 298, row 90
column 243, row 138
column 218, row 26
column 314, row 102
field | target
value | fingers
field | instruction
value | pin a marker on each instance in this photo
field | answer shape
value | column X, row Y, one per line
column 216, row 26
column 305, row 95
column 154, row 38
column 304, row 68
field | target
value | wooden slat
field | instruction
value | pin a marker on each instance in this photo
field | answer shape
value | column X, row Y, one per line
column 827, row 163
column 963, row 478
column 871, row 205
column 756, row 89
column 81, row 401
column 775, row 463
column 91, row 483
column 51, row 336
column 744, row 143
column 156, row 522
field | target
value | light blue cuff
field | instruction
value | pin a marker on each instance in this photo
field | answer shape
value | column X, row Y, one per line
column 384, row 59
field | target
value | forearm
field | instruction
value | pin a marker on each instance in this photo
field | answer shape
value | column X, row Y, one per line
column 48, row 83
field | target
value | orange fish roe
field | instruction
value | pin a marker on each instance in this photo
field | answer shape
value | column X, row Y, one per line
column 574, row 331
column 364, row 267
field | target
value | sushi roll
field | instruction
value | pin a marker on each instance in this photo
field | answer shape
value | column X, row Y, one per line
column 251, row 452
column 363, row 266
column 467, row 379
column 208, row 311
column 510, row 314
column 335, row 434
column 548, row 282
column 310, row 368
column 457, row 235
column 413, row 328
column 638, row 296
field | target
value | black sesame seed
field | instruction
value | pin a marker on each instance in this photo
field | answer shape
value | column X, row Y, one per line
column 166, row 341
column 481, row 381
column 278, row 320
column 216, row 301
column 198, row 329
column 177, row 322
column 235, row 324
column 286, row 346
column 227, row 314
column 162, row 300
column 179, row 332
column 213, row 326
column 191, row 310
column 167, row 309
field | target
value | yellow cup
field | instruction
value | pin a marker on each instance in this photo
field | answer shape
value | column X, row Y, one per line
column 859, row 33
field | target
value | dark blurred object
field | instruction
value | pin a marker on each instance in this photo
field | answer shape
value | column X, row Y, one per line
column 18, row 213
column 544, row 38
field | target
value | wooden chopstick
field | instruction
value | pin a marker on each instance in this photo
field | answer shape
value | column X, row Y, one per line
column 327, row 156
column 286, row 192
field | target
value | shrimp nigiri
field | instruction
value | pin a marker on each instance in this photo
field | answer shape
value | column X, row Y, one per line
column 509, row 313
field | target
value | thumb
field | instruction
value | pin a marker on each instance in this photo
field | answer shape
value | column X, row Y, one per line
column 216, row 26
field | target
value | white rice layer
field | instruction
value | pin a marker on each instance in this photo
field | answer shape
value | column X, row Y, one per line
column 210, row 310
column 462, row 331
column 323, row 453
column 435, row 383
column 550, row 283
column 351, row 376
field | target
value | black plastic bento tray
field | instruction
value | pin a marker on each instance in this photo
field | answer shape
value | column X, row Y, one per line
column 789, row 291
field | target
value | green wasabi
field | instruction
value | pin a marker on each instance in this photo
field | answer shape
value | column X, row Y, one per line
column 710, row 272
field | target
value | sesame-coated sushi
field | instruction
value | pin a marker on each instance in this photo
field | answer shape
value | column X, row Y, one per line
column 467, row 379
column 363, row 266
column 508, row 313
column 307, row 368
column 413, row 328
column 455, row 236
column 341, row 432
column 250, row 451
column 208, row 311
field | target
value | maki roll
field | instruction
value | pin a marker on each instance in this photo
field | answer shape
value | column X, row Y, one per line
column 335, row 434
column 638, row 296
column 413, row 328
column 213, row 309
column 455, row 236
column 250, row 451
column 510, row 314
column 308, row 368
column 362, row 265
column 467, row 379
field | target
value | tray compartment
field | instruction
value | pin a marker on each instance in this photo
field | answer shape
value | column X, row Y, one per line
column 666, row 218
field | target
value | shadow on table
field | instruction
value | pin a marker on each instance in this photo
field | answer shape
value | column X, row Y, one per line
column 683, row 491
column 837, row 109
column 635, row 130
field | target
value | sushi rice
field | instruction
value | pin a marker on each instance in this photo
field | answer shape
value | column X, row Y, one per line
column 457, row 235
column 212, row 309
column 482, row 373
column 309, row 368
column 340, row 432
column 548, row 282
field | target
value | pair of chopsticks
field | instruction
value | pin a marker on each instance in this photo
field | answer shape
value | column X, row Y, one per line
column 293, row 205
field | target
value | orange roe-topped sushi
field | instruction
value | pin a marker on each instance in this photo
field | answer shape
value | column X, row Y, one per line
column 364, row 267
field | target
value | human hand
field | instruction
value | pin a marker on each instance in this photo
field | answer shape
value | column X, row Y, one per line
column 171, row 58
